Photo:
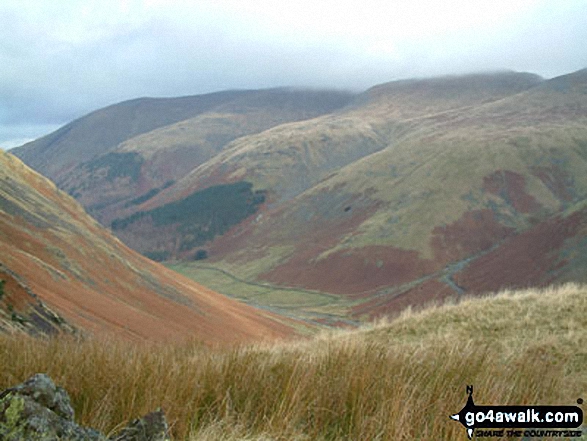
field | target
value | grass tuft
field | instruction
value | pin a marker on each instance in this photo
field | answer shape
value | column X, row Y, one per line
column 395, row 380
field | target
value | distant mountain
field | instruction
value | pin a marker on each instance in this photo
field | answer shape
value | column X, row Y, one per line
column 116, row 155
column 414, row 190
column 60, row 271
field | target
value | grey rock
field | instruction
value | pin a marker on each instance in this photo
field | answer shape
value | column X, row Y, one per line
column 41, row 389
column 38, row 410
column 151, row 427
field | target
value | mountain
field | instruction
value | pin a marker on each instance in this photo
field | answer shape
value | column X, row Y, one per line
column 61, row 271
column 413, row 191
column 116, row 156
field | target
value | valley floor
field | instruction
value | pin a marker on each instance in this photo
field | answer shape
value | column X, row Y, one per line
column 313, row 307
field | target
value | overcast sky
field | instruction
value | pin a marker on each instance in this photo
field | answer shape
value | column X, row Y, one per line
column 61, row 59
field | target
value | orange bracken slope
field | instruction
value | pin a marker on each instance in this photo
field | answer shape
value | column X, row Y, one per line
column 96, row 283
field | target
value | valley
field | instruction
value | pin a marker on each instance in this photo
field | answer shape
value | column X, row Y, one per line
column 293, row 221
column 353, row 206
column 62, row 273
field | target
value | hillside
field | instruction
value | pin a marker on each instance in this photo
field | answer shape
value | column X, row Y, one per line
column 396, row 380
column 416, row 190
column 60, row 269
column 291, row 158
column 473, row 201
column 115, row 157
column 419, row 190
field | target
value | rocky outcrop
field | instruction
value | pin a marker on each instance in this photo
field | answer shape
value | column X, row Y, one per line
column 22, row 311
column 38, row 410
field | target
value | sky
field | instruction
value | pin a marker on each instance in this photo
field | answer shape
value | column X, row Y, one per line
column 60, row 60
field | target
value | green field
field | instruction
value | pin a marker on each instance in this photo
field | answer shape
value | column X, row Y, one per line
column 300, row 303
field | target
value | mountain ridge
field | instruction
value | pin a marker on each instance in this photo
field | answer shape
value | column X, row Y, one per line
column 122, row 121
column 97, row 284
column 409, row 192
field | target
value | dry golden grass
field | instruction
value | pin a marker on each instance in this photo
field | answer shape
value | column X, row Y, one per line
column 390, row 381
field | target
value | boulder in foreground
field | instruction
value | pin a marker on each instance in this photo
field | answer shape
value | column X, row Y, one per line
column 38, row 410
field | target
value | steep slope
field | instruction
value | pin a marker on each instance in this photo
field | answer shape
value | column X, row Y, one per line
column 21, row 311
column 52, row 249
column 478, row 200
column 114, row 157
column 416, row 190
column 420, row 190
column 291, row 158
column 102, row 130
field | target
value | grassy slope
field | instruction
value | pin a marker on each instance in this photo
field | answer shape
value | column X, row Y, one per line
column 82, row 272
column 292, row 158
column 412, row 192
column 439, row 175
column 399, row 191
column 392, row 381
column 379, row 117
column 102, row 130
column 169, row 137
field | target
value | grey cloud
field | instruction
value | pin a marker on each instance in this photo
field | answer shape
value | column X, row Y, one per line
column 44, row 83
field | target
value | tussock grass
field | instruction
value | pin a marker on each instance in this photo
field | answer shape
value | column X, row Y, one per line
column 389, row 381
